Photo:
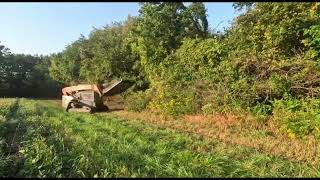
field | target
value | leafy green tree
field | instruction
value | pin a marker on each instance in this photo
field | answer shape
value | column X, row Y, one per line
column 65, row 66
column 25, row 75
column 161, row 28
column 239, row 6
column 4, row 50
column 106, row 55
column 195, row 16
column 276, row 28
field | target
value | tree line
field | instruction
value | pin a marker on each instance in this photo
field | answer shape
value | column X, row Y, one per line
column 26, row 76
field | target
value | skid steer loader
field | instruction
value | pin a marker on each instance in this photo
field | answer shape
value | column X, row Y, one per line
column 87, row 97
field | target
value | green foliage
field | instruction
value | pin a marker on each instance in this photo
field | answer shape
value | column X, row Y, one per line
column 65, row 66
column 275, row 77
column 298, row 118
column 195, row 15
column 161, row 28
column 41, row 160
column 314, row 41
column 4, row 51
column 183, row 72
column 242, row 5
column 105, row 55
column 275, row 27
column 256, row 62
column 197, row 56
column 137, row 101
column 25, row 75
column 168, row 102
column 252, row 83
column 261, row 111
column 313, row 33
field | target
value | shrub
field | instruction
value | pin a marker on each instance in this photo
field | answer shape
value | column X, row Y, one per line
column 137, row 101
column 298, row 117
column 172, row 100
column 182, row 79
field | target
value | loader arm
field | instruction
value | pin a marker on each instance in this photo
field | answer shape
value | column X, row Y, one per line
column 110, row 86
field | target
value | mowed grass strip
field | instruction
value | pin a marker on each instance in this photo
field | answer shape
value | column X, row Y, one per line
column 53, row 143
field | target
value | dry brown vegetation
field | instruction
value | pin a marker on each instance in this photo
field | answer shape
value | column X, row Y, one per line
column 233, row 130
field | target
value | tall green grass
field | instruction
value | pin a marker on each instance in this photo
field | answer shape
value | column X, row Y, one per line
column 53, row 143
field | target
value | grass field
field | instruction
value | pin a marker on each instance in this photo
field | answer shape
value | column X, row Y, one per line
column 39, row 139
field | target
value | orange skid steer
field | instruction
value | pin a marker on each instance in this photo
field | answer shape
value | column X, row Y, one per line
column 86, row 97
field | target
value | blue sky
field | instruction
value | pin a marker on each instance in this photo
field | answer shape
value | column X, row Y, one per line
column 45, row 28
